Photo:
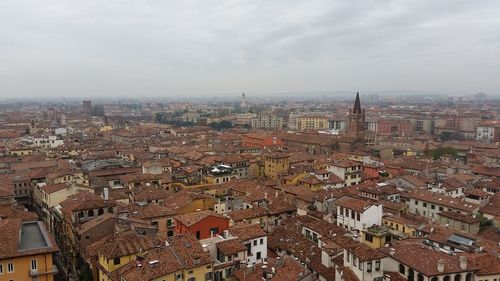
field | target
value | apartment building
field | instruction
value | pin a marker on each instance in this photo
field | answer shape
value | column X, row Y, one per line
column 312, row 122
column 356, row 214
column 276, row 164
column 488, row 131
column 26, row 251
column 349, row 171
column 267, row 122
column 429, row 204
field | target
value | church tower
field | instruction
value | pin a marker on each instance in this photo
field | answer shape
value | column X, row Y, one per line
column 243, row 103
column 356, row 120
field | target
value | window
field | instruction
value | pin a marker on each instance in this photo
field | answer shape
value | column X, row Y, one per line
column 354, row 261
column 258, row 255
column 208, row 276
column 255, row 242
column 1, row 268
column 90, row 213
column 214, row 230
column 369, row 266
column 10, row 267
column 433, row 206
column 424, row 204
column 402, row 269
column 348, row 256
column 116, row 261
column 368, row 237
column 261, row 241
column 33, row 264
column 358, row 217
column 377, row 265
column 191, row 279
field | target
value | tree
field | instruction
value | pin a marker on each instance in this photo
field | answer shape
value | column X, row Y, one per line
column 159, row 117
column 221, row 126
column 441, row 151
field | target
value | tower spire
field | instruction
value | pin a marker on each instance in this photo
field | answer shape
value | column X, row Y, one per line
column 357, row 105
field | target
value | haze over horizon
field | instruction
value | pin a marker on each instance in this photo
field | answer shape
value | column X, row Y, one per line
column 201, row 48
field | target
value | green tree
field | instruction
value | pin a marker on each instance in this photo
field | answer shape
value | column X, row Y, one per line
column 221, row 126
column 442, row 151
column 159, row 117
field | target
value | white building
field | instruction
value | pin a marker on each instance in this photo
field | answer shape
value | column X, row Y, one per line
column 428, row 204
column 255, row 240
column 60, row 131
column 245, row 118
column 417, row 262
column 488, row 131
column 363, row 262
column 267, row 122
column 48, row 142
column 357, row 214
column 349, row 171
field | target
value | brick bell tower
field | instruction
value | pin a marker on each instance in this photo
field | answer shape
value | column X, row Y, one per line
column 356, row 120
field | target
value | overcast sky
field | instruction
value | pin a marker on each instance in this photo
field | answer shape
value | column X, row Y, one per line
column 118, row 48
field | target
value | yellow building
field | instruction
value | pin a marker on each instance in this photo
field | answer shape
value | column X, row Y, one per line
column 376, row 236
column 118, row 250
column 186, row 202
column 312, row 182
column 404, row 226
column 294, row 179
column 179, row 258
column 106, row 128
column 20, row 151
column 312, row 123
column 276, row 164
column 26, row 251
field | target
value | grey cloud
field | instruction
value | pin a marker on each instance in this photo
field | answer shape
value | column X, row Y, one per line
column 159, row 48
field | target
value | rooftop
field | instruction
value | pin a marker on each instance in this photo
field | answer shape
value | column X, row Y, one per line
column 24, row 239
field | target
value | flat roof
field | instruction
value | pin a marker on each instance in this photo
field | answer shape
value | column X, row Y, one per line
column 33, row 236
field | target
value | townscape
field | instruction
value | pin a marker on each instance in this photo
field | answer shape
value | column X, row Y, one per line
column 361, row 188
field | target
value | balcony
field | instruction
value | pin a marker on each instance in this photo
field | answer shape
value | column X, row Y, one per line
column 37, row 272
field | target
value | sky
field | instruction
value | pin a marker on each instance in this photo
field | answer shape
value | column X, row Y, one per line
column 162, row 48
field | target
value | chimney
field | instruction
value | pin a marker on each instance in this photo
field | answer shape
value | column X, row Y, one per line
column 249, row 269
column 106, row 194
column 463, row 262
column 440, row 265
column 392, row 251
